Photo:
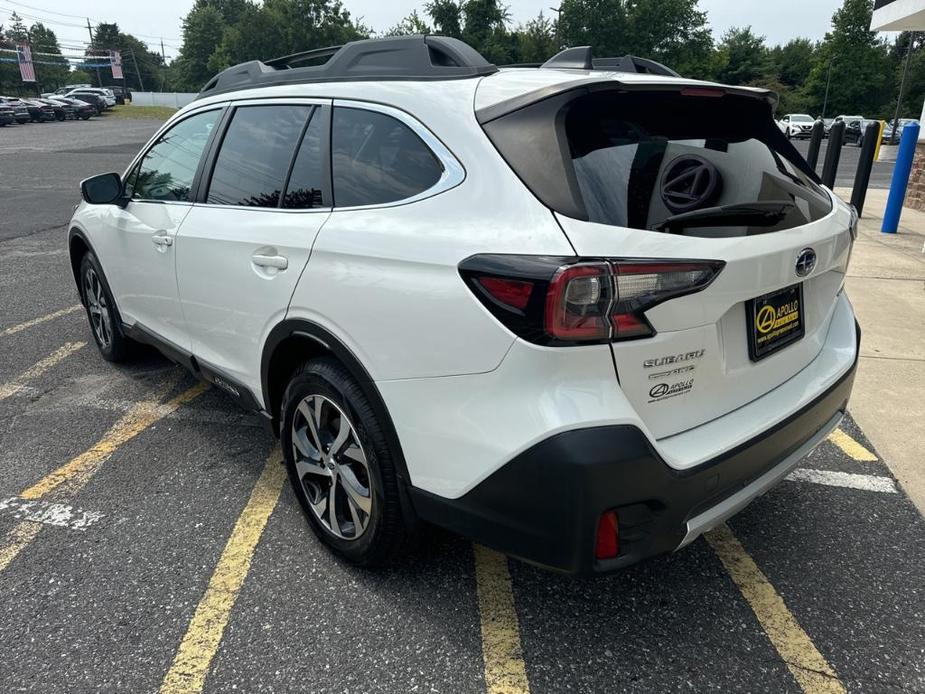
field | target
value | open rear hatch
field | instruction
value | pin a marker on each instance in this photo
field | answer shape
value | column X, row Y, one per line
column 678, row 173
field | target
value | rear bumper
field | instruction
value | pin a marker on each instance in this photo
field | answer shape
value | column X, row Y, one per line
column 543, row 506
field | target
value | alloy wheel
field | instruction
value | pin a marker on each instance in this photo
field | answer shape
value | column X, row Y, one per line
column 100, row 317
column 332, row 467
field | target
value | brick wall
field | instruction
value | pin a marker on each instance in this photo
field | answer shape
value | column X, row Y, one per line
column 915, row 193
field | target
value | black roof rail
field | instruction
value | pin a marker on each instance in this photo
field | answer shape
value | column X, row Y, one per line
column 580, row 58
column 393, row 58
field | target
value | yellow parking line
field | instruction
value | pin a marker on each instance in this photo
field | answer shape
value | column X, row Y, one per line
column 40, row 367
column 851, row 447
column 810, row 669
column 18, row 537
column 76, row 472
column 73, row 475
column 505, row 672
column 13, row 329
column 191, row 664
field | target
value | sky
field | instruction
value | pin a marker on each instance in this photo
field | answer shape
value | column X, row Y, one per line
column 777, row 20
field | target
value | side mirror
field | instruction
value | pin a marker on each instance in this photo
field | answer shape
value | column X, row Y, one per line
column 105, row 189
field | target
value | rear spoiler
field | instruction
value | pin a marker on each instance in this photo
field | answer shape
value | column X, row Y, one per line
column 594, row 84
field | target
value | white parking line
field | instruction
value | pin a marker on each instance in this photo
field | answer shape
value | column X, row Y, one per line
column 61, row 515
column 39, row 368
column 869, row 483
column 13, row 329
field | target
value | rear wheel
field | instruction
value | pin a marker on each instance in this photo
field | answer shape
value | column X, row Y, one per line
column 339, row 463
column 105, row 323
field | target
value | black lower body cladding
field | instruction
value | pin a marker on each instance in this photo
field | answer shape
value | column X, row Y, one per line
column 543, row 506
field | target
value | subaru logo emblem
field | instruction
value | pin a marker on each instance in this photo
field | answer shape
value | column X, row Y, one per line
column 806, row 262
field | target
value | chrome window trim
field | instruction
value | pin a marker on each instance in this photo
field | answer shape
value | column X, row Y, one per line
column 453, row 172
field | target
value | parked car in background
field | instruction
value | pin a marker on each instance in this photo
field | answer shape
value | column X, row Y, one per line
column 82, row 109
column 39, row 111
column 61, row 110
column 95, row 100
column 71, row 87
column 107, row 96
column 122, row 94
column 20, row 110
column 797, row 125
column 6, row 115
column 827, row 124
column 888, row 130
column 856, row 130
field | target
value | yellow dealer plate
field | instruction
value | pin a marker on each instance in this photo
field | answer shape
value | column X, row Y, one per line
column 775, row 320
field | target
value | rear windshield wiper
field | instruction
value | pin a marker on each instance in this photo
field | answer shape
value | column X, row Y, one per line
column 759, row 213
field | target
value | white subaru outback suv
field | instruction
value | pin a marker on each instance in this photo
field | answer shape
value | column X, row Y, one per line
column 580, row 313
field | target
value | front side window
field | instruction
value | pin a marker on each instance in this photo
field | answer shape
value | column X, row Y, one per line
column 255, row 155
column 167, row 171
column 377, row 159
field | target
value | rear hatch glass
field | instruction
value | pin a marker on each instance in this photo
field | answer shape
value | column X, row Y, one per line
column 695, row 176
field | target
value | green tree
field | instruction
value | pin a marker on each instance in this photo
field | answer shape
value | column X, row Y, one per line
column 674, row 32
column 793, row 61
column 743, row 57
column 446, row 16
column 203, row 30
column 53, row 70
column 535, row 42
column 410, row 25
column 142, row 68
column 858, row 62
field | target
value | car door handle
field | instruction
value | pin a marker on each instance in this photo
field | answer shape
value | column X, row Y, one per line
column 275, row 261
column 162, row 238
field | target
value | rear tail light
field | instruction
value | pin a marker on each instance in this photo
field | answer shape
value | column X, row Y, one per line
column 568, row 301
column 607, row 540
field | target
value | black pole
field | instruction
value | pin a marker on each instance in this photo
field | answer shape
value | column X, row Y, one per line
column 815, row 142
column 833, row 154
column 865, row 166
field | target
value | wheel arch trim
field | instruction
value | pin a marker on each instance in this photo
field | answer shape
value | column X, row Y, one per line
column 305, row 329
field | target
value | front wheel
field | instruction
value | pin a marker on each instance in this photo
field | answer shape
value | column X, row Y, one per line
column 105, row 323
column 339, row 463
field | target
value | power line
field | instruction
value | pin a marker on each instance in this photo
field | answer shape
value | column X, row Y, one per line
column 58, row 22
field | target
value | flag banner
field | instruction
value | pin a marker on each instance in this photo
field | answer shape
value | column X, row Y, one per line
column 115, row 59
column 26, row 68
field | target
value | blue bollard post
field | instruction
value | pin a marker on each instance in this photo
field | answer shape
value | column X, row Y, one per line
column 901, row 172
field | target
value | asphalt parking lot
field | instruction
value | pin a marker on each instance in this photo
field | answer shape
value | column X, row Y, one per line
column 147, row 542
column 880, row 176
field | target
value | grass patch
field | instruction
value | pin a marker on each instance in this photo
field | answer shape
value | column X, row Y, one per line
column 129, row 111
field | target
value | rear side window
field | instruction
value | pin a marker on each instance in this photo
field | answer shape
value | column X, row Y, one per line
column 377, row 159
column 644, row 159
column 167, row 170
column 255, row 155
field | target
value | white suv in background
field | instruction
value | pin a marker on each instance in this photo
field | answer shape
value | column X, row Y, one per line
column 534, row 306
column 798, row 125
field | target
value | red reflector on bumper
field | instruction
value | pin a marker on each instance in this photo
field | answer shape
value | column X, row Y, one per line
column 607, row 544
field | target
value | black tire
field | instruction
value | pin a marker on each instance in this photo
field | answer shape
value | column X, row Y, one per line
column 327, row 381
column 86, row 116
column 60, row 117
column 102, row 313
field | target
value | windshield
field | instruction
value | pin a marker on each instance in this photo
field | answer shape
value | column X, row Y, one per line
column 801, row 119
column 638, row 162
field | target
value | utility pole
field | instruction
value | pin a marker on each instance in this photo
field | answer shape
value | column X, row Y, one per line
column 99, row 79
column 828, row 83
column 902, row 90
column 163, row 64
column 137, row 71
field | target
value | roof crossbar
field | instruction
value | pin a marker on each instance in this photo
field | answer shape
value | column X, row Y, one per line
column 393, row 58
column 581, row 58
